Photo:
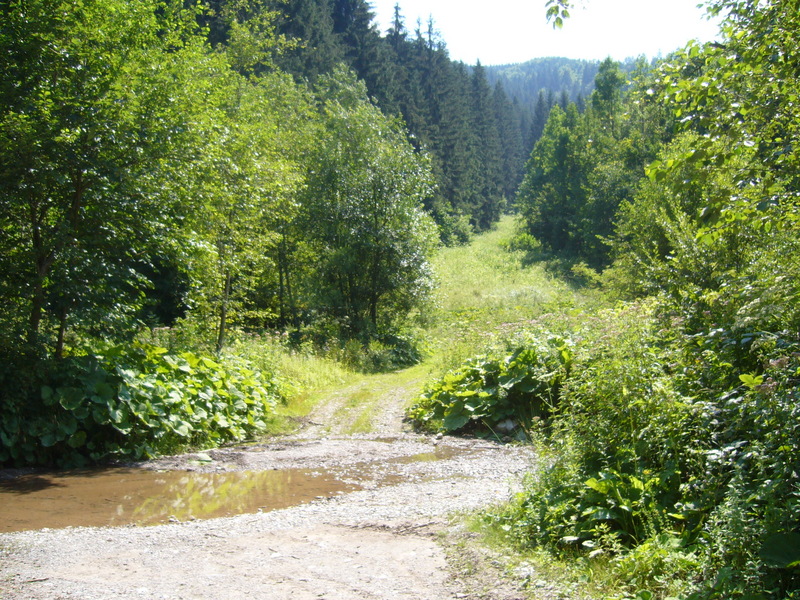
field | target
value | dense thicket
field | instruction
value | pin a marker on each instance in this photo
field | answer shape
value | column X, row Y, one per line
column 676, row 423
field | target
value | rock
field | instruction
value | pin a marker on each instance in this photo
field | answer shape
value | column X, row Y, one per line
column 506, row 426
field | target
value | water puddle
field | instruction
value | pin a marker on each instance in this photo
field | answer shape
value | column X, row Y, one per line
column 115, row 497
column 440, row 453
column 137, row 496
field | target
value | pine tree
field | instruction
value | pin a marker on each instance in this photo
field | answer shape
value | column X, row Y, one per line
column 487, row 195
column 310, row 24
column 541, row 112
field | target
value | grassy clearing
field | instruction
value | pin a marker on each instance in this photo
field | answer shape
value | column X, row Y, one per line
column 484, row 293
column 485, row 276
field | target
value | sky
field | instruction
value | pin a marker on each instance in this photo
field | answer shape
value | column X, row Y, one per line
column 514, row 31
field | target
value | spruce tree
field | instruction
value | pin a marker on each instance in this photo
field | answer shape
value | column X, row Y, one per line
column 309, row 23
column 487, row 195
column 510, row 135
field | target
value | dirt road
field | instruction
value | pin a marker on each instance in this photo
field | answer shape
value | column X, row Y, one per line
column 392, row 537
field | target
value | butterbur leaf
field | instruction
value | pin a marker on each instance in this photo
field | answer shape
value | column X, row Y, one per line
column 49, row 439
column 598, row 486
column 570, row 539
column 182, row 428
column 70, row 398
column 601, row 514
column 47, row 395
column 77, row 439
column 455, row 421
column 781, row 551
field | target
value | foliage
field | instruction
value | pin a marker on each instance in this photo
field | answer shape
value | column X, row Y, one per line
column 678, row 432
column 134, row 402
column 682, row 472
column 586, row 165
column 362, row 211
column 95, row 110
column 520, row 385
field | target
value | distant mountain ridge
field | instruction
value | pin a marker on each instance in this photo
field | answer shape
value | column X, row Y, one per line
column 555, row 75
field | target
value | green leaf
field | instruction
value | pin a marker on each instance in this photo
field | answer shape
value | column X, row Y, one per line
column 182, row 428
column 70, row 398
column 455, row 421
column 598, row 486
column 77, row 439
column 49, row 439
column 751, row 381
column 781, row 551
column 47, row 395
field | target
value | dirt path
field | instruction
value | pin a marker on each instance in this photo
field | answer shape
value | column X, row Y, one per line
column 393, row 538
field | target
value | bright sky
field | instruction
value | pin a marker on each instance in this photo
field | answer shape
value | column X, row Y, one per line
column 514, row 31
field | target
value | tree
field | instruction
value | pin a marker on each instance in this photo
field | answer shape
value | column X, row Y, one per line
column 509, row 129
column 97, row 104
column 363, row 210
column 310, row 24
column 487, row 196
column 541, row 112
column 607, row 93
column 553, row 189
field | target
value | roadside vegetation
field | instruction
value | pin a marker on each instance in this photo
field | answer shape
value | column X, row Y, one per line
column 670, row 416
column 638, row 317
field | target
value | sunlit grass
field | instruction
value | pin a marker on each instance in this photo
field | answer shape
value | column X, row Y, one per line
column 485, row 292
column 484, row 275
column 538, row 572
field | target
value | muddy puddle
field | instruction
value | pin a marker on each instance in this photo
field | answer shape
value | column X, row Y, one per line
column 117, row 497
column 142, row 497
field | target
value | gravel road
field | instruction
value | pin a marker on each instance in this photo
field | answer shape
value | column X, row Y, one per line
column 391, row 537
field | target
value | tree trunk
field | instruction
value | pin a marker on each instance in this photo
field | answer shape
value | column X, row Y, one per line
column 223, row 312
column 62, row 330
column 373, row 312
column 37, row 307
column 281, row 300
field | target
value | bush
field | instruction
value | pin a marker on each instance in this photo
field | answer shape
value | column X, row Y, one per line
column 498, row 391
column 133, row 401
column 685, row 488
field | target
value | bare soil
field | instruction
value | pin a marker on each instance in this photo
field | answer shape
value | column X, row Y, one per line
column 394, row 537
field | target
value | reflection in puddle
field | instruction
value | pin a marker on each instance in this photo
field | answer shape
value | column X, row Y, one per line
column 101, row 497
column 440, row 453
column 142, row 497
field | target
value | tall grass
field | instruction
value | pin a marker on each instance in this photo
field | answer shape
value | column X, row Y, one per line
column 484, row 292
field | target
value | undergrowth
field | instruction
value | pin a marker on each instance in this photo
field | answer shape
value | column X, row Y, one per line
column 659, row 486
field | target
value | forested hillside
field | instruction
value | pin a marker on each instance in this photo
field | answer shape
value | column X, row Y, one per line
column 472, row 132
column 477, row 123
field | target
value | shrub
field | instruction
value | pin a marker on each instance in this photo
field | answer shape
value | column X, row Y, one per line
column 516, row 385
column 687, row 489
column 134, row 401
